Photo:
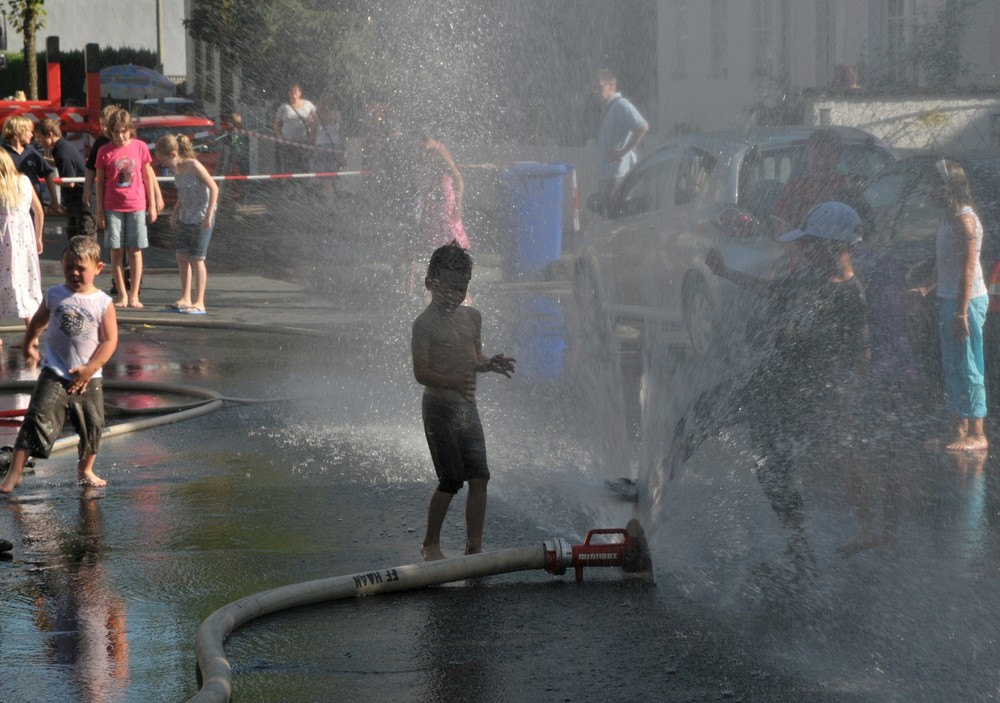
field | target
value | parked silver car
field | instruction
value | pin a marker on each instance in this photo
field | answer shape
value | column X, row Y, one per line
column 644, row 260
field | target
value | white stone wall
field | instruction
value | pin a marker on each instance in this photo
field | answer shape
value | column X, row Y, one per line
column 947, row 124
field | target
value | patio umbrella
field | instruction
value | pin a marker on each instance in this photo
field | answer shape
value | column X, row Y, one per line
column 131, row 82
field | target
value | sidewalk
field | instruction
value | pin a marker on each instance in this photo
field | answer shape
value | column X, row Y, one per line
column 234, row 297
column 358, row 295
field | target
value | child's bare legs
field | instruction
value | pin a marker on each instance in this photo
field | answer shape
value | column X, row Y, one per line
column 135, row 263
column 436, row 512
column 969, row 435
column 200, row 272
column 475, row 515
column 184, row 268
column 85, row 472
column 16, row 470
column 118, row 273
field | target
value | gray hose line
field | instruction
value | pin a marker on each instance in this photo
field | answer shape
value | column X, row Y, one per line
column 215, row 673
column 213, row 401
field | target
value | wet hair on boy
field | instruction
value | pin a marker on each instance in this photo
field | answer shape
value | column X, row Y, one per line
column 449, row 257
column 84, row 248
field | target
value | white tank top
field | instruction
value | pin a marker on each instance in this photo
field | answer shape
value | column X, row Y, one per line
column 947, row 258
column 72, row 334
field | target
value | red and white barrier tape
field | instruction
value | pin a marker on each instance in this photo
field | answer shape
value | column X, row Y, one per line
column 255, row 177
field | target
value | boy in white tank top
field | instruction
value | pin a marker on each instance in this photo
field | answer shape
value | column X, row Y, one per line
column 81, row 339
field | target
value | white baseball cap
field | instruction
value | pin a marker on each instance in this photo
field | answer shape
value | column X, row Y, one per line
column 830, row 220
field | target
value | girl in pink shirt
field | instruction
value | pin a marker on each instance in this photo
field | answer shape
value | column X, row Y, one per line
column 125, row 197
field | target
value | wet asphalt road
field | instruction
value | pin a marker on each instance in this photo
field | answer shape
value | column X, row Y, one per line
column 106, row 587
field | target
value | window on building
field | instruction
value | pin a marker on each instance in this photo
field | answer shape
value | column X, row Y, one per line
column 717, row 67
column 898, row 32
column 763, row 58
column 210, row 74
column 199, row 67
column 680, row 47
column 784, row 60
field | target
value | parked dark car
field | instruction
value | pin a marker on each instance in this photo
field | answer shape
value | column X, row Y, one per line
column 907, row 221
column 645, row 259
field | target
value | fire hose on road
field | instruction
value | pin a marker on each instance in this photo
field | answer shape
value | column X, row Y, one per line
column 628, row 551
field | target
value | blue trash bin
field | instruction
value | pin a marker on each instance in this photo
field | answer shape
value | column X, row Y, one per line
column 536, row 194
column 540, row 344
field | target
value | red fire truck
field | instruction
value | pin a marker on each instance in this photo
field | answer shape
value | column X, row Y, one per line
column 74, row 120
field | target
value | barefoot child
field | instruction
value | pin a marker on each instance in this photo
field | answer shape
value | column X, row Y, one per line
column 126, row 195
column 447, row 355
column 194, row 215
column 77, row 346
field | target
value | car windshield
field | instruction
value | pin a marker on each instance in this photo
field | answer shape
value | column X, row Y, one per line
column 765, row 171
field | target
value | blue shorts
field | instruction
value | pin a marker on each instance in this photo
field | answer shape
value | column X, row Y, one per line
column 193, row 241
column 455, row 438
column 125, row 229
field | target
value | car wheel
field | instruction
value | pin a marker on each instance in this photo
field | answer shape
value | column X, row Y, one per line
column 595, row 321
column 699, row 317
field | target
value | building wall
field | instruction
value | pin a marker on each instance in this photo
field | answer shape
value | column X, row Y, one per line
column 981, row 48
column 113, row 23
column 818, row 34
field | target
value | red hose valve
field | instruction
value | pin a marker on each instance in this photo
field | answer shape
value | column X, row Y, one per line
column 630, row 552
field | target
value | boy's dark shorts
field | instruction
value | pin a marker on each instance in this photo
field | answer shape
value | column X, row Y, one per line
column 50, row 401
column 455, row 438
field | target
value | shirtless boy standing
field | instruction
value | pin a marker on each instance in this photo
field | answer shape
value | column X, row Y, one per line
column 447, row 355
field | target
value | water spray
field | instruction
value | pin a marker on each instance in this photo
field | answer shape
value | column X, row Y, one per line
column 624, row 548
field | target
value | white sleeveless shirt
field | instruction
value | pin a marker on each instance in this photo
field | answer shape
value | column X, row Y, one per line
column 72, row 334
column 948, row 263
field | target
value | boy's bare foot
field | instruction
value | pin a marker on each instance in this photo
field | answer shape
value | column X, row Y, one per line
column 469, row 549
column 968, row 443
column 91, row 480
column 122, row 304
column 432, row 553
column 135, row 304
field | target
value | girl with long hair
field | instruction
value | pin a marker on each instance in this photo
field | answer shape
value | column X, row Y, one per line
column 193, row 217
column 21, row 221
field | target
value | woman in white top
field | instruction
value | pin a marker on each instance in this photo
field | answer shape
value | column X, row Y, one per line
column 295, row 121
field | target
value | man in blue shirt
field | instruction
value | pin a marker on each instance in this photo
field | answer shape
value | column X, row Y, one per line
column 620, row 131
